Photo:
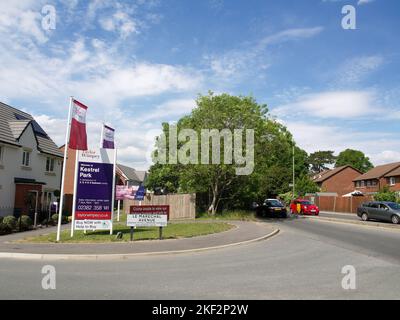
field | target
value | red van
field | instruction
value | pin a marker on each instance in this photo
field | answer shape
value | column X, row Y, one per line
column 306, row 207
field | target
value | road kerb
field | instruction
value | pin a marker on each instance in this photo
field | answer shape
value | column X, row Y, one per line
column 123, row 256
column 369, row 224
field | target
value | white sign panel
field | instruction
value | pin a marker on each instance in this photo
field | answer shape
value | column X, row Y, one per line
column 147, row 220
column 92, row 224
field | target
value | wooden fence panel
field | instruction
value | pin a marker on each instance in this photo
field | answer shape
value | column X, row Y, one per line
column 340, row 204
column 182, row 206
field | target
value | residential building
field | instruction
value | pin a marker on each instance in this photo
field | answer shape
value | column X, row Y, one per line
column 338, row 180
column 379, row 177
column 30, row 164
column 129, row 176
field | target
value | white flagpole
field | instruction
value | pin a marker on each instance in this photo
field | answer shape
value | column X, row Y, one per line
column 102, row 136
column 74, row 195
column 113, row 189
column 60, row 209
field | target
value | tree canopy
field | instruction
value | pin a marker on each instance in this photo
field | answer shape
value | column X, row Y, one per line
column 320, row 160
column 354, row 158
column 219, row 184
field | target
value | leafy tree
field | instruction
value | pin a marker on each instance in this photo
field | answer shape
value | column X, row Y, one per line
column 320, row 160
column 354, row 158
column 219, row 183
column 305, row 185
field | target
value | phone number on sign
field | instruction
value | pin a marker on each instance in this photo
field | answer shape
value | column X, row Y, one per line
column 93, row 208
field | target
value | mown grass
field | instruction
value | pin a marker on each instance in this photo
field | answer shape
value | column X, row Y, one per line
column 229, row 215
column 172, row 231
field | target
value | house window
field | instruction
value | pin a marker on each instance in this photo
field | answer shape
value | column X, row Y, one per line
column 362, row 184
column 358, row 184
column 50, row 164
column 374, row 183
column 26, row 155
column 368, row 183
column 392, row 181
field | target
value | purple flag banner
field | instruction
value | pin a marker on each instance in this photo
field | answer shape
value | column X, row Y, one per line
column 108, row 137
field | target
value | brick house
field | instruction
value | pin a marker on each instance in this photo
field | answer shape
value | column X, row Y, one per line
column 338, row 180
column 379, row 177
column 30, row 164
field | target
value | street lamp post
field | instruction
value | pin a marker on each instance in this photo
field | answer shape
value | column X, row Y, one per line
column 293, row 170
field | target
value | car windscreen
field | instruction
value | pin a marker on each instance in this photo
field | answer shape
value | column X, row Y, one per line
column 306, row 202
column 394, row 206
column 273, row 203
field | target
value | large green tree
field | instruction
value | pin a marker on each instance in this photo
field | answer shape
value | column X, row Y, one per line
column 221, row 184
column 320, row 160
column 354, row 158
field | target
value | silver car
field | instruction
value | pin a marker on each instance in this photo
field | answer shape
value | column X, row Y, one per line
column 380, row 210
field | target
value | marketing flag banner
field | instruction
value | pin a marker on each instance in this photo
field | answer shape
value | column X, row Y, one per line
column 140, row 193
column 94, row 189
column 78, row 138
column 108, row 137
column 122, row 192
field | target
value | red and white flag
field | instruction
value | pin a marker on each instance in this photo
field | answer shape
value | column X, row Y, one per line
column 77, row 136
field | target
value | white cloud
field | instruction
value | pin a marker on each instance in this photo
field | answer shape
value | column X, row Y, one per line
column 356, row 69
column 378, row 146
column 361, row 2
column 171, row 109
column 238, row 61
column 338, row 104
column 22, row 20
column 120, row 22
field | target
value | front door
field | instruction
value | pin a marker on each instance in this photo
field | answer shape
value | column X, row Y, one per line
column 26, row 198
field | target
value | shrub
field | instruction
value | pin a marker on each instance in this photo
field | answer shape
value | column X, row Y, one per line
column 25, row 222
column 385, row 195
column 1, row 219
column 54, row 219
column 9, row 223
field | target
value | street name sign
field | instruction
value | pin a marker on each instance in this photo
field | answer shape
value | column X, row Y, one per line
column 148, row 216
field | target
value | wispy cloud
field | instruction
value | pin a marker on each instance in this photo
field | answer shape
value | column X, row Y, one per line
column 337, row 105
column 361, row 2
column 238, row 61
column 355, row 70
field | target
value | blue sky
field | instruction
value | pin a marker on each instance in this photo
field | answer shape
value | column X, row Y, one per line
column 138, row 63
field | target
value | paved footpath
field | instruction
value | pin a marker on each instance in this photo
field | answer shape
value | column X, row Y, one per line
column 243, row 232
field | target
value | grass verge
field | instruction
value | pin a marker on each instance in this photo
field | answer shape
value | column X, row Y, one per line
column 229, row 215
column 172, row 231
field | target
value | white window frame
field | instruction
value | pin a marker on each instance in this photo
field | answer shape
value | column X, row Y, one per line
column 392, row 181
column 24, row 158
column 50, row 164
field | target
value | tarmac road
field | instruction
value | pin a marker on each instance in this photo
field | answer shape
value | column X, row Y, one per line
column 304, row 261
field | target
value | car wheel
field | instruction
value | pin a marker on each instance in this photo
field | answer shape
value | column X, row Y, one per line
column 395, row 219
column 364, row 217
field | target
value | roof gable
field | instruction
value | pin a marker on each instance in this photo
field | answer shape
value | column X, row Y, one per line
column 13, row 123
column 327, row 174
column 379, row 171
column 131, row 173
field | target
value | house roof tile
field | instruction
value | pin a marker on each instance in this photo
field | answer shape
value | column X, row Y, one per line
column 325, row 175
column 379, row 171
column 13, row 122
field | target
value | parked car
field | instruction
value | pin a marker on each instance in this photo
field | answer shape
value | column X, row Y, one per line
column 380, row 210
column 306, row 207
column 271, row 208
